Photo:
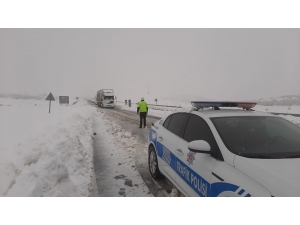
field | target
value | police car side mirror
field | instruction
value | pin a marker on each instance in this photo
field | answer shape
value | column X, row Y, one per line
column 199, row 146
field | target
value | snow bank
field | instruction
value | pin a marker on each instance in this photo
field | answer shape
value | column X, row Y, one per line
column 42, row 153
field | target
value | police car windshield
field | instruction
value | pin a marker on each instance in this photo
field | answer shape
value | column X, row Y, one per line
column 259, row 136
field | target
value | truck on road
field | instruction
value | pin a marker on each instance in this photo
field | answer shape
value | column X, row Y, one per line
column 105, row 98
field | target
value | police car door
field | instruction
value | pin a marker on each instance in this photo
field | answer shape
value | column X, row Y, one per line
column 194, row 170
column 166, row 143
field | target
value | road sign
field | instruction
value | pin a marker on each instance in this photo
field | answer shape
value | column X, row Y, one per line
column 50, row 98
column 63, row 99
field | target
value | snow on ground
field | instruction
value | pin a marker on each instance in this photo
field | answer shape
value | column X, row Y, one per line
column 51, row 154
column 120, row 150
column 42, row 153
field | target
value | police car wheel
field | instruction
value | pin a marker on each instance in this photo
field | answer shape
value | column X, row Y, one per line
column 153, row 165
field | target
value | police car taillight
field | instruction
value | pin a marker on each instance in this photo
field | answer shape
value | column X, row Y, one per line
column 244, row 105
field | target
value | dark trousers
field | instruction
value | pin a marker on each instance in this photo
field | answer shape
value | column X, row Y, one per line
column 143, row 116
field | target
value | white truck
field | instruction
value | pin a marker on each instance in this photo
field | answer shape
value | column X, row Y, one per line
column 105, row 98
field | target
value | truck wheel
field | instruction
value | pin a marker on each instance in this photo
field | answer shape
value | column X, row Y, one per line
column 153, row 164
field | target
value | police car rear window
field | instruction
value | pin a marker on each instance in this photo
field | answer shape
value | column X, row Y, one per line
column 167, row 121
column 177, row 123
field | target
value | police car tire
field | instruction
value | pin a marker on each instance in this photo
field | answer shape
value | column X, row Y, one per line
column 156, row 174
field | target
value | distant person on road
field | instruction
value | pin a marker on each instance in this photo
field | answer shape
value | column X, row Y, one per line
column 129, row 103
column 125, row 102
column 143, row 110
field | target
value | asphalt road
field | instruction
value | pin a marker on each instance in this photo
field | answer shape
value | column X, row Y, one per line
column 129, row 121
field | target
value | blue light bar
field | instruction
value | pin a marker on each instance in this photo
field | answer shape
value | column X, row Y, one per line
column 245, row 105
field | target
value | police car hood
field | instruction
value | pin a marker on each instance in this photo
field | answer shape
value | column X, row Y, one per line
column 279, row 176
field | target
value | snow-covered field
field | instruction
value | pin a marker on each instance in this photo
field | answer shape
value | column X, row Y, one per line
column 42, row 153
column 51, row 154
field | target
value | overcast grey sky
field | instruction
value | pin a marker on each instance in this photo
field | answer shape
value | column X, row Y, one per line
column 216, row 64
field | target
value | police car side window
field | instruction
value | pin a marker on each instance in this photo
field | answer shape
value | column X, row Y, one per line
column 197, row 129
column 177, row 122
column 167, row 121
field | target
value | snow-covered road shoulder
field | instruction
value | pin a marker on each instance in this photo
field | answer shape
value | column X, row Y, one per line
column 45, row 154
column 114, row 160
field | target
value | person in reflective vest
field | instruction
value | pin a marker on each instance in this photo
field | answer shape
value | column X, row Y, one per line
column 142, row 108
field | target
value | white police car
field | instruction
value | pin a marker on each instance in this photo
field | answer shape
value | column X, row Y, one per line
column 226, row 152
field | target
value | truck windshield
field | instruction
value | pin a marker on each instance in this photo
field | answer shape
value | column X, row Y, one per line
column 259, row 136
column 108, row 98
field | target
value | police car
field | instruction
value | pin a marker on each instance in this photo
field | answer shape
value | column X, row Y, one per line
column 217, row 151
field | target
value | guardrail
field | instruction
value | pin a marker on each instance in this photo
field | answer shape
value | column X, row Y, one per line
column 286, row 114
column 171, row 106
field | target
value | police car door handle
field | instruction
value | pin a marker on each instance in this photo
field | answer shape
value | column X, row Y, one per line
column 179, row 151
column 160, row 138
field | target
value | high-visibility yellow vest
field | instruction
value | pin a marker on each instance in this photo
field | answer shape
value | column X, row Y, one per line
column 143, row 106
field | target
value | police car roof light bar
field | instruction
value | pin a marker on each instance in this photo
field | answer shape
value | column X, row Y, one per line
column 244, row 105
